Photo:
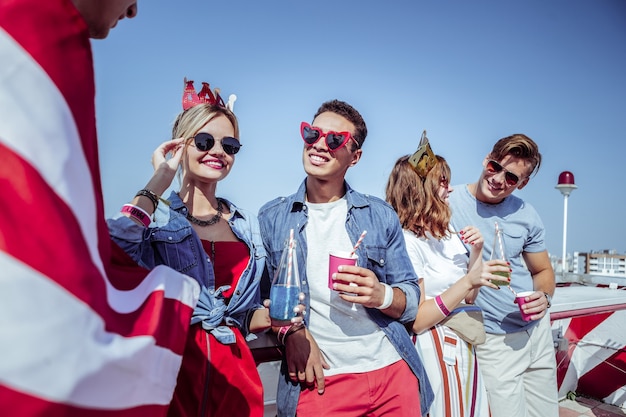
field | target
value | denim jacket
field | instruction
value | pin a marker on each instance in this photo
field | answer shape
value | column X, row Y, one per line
column 170, row 240
column 386, row 256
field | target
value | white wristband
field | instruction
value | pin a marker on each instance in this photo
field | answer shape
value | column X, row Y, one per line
column 388, row 297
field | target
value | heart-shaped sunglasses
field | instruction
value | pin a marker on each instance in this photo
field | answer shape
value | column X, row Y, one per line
column 334, row 140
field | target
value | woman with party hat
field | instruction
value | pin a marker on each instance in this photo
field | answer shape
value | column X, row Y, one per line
column 212, row 240
column 418, row 189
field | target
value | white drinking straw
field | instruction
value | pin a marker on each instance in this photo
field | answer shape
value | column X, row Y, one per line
column 358, row 243
column 499, row 234
column 289, row 257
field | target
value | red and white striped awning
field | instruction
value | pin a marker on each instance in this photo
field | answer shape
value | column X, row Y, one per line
column 588, row 329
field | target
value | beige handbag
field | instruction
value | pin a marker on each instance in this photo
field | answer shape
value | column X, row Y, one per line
column 467, row 322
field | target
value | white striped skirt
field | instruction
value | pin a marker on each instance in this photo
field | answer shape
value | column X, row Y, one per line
column 452, row 369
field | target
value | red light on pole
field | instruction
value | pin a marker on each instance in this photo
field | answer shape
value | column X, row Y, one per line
column 565, row 186
column 566, row 183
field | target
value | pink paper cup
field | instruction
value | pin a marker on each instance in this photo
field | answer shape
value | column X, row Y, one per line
column 521, row 300
column 337, row 258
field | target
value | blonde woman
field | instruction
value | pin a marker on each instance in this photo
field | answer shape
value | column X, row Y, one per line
column 212, row 240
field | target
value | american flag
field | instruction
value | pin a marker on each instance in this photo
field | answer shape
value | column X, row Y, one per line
column 83, row 330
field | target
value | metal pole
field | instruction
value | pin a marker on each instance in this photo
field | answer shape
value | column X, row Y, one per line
column 564, row 259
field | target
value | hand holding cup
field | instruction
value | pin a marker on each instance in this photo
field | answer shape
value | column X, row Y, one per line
column 335, row 260
column 520, row 299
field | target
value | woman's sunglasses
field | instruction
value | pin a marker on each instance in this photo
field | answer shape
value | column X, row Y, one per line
column 510, row 178
column 205, row 142
column 334, row 140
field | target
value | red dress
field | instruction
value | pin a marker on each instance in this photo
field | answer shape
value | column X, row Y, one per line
column 217, row 379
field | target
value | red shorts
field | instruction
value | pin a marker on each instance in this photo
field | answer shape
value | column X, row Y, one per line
column 392, row 391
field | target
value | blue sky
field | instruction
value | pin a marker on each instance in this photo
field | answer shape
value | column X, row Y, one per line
column 469, row 72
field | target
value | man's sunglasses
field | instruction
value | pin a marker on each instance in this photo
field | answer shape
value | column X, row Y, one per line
column 510, row 178
column 205, row 142
column 334, row 140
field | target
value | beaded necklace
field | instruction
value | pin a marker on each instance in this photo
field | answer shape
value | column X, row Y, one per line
column 212, row 220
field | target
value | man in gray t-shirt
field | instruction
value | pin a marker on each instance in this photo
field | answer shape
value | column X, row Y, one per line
column 517, row 360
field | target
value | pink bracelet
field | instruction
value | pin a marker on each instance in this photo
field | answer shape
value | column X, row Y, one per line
column 285, row 331
column 442, row 306
column 137, row 213
column 282, row 333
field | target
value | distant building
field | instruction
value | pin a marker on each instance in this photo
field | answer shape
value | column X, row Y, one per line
column 606, row 262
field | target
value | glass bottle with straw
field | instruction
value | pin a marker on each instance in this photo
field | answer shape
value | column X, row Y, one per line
column 498, row 252
column 285, row 290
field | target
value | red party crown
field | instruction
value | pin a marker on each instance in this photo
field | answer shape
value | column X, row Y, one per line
column 191, row 98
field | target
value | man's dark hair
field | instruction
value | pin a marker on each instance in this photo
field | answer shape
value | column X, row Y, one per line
column 350, row 113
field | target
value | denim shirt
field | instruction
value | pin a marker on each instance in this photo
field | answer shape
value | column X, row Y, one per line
column 386, row 256
column 170, row 240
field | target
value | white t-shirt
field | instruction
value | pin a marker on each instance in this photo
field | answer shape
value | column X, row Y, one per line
column 439, row 262
column 349, row 339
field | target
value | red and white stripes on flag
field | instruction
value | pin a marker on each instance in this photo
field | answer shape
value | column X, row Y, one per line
column 83, row 330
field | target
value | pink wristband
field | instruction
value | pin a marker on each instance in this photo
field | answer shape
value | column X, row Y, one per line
column 285, row 331
column 282, row 333
column 137, row 213
column 442, row 306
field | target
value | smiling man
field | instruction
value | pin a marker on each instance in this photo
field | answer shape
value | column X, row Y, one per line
column 354, row 348
column 517, row 360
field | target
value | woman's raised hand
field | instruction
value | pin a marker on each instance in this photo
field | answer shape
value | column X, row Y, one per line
column 472, row 235
column 173, row 148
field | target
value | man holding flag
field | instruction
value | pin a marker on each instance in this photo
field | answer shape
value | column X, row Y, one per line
column 83, row 329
